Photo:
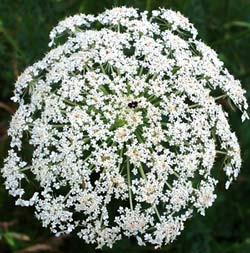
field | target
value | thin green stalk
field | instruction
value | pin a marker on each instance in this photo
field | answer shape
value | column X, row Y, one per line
column 141, row 170
column 120, row 157
column 103, row 70
column 138, row 135
column 87, row 158
column 154, row 76
column 66, row 196
column 141, row 70
column 58, row 125
column 193, row 106
column 221, row 152
column 168, row 185
column 92, row 166
column 151, row 97
column 157, row 213
column 220, row 97
column 25, row 168
column 176, row 174
column 103, row 89
column 148, row 6
column 216, row 98
column 165, row 123
column 67, row 101
column 129, row 185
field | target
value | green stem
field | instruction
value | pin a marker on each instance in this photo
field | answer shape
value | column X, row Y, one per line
column 141, row 170
column 141, row 70
column 176, row 174
column 25, row 168
column 103, row 70
column 138, row 135
column 168, row 185
column 66, row 196
column 87, row 158
column 157, row 213
column 103, row 89
column 193, row 106
column 165, row 123
column 70, row 102
column 151, row 97
column 148, row 6
column 59, row 125
column 221, row 152
column 120, row 156
column 129, row 186
column 220, row 97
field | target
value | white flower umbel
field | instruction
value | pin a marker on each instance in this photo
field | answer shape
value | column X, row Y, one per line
column 124, row 118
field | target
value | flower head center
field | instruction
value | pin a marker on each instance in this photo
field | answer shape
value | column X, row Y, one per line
column 133, row 104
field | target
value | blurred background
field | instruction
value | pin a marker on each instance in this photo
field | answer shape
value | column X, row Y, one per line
column 222, row 24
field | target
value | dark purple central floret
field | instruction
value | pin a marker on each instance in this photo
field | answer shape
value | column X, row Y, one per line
column 133, row 104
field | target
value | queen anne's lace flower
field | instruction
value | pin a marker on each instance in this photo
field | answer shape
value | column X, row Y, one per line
column 124, row 120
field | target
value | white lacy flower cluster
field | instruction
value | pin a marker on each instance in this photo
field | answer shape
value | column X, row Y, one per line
column 125, row 122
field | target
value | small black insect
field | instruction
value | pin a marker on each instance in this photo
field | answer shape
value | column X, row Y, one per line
column 133, row 104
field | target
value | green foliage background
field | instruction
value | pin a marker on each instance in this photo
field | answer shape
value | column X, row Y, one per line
column 222, row 24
